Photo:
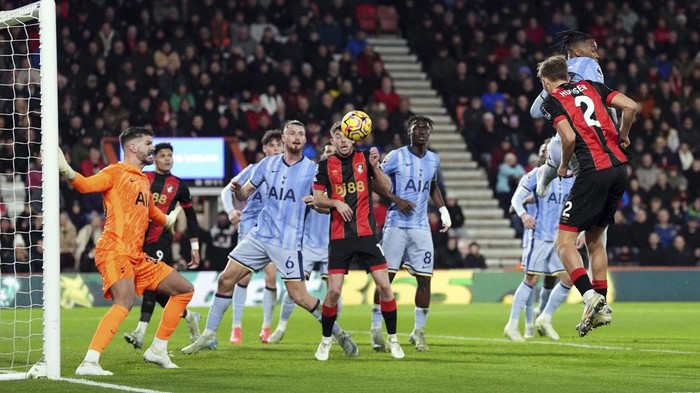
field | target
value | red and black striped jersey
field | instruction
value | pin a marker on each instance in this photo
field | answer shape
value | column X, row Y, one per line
column 584, row 106
column 348, row 179
column 166, row 190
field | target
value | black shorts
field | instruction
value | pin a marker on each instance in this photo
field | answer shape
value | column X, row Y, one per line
column 364, row 250
column 163, row 251
column 594, row 199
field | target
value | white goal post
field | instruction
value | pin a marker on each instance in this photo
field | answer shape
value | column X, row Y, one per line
column 30, row 334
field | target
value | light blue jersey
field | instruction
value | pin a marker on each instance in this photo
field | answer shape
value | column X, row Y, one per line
column 281, row 221
column 580, row 68
column 549, row 208
column 317, row 230
column 530, row 208
column 411, row 177
column 254, row 204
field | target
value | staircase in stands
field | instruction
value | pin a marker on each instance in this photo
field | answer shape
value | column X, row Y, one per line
column 464, row 180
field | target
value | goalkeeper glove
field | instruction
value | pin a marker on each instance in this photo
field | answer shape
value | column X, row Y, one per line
column 445, row 217
column 171, row 218
column 63, row 167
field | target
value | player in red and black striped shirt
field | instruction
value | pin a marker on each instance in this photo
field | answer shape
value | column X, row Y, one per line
column 578, row 112
column 167, row 190
column 343, row 184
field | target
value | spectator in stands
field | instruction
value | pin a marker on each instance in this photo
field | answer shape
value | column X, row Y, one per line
column 648, row 173
column 474, row 259
column 449, row 257
column 67, row 243
column 679, row 254
column 223, row 239
column 93, row 163
column 665, row 229
column 386, row 95
column 509, row 173
column 492, row 96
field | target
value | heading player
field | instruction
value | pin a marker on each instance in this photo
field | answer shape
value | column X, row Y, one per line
column 407, row 241
column 343, row 184
column 125, row 269
column 579, row 114
column 277, row 237
column 167, row 190
column 246, row 220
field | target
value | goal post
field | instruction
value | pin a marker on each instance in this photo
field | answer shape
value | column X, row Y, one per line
column 30, row 332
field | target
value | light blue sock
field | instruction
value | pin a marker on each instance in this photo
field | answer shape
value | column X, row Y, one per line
column 269, row 300
column 287, row 309
column 377, row 317
column 544, row 298
column 421, row 315
column 558, row 296
column 522, row 294
column 216, row 311
column 530, row 308
column 240, row 293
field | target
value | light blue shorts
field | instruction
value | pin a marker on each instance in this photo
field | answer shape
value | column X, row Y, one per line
column 543, row 259
column 409, row 248
column 254, row 255
column 312, row 256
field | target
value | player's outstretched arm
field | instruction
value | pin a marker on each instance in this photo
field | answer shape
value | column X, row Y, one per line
column 99, row 182
column 193, row 229
column 629, row 111
column 568, row 140
column 535, row 111
column 322, row 201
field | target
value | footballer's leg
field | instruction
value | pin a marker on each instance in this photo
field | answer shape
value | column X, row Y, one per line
column 181, row 292
column 227, row 280
column 240, row 294
column 421, row 259
column 388, row 307
column 269, row 301
column 522, row 294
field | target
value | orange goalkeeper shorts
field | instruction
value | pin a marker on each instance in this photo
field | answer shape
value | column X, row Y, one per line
column 146, row 272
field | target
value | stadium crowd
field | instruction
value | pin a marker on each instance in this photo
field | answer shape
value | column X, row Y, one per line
column 238, row 68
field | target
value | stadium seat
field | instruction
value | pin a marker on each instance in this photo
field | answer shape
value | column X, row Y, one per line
column 366, row 17
column 388, row 18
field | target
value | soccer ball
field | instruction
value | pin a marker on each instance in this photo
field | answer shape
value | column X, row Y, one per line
column 356, row 125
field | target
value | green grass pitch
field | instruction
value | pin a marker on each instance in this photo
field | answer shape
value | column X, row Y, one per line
column 650, row 347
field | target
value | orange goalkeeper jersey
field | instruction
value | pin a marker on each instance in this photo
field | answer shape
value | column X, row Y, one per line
column 128, row 207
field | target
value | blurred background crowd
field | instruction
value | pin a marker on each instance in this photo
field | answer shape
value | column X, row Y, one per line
column 240, row 67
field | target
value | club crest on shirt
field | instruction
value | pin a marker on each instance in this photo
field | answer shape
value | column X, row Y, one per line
column 170, row 189
column 360, row 168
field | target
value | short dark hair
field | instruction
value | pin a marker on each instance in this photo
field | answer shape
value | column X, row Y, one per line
column 416, row 118
column 132, row 133
column 570, row 38
column 271, row 135
column 164, row 145
column 553, row 68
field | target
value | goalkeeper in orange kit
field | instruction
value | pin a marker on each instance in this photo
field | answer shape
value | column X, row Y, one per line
column 119, row 256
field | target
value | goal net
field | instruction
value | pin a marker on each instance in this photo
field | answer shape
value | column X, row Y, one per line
column 29, row 263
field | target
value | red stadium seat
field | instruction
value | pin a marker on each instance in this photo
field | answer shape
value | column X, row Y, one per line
column 388, row 19
column 366, row 17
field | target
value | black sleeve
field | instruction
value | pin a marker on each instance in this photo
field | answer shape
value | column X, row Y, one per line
column 551, row 109
column 185, row 200
column 370, row 168
column 606, row 93
column 321, row 181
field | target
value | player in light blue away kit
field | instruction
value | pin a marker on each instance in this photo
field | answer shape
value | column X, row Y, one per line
column 246, row 220
column 407, row 241
column 582, row 53
column 277, row 237
column 541, row 258
column 315, row 251
column 583, row 64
